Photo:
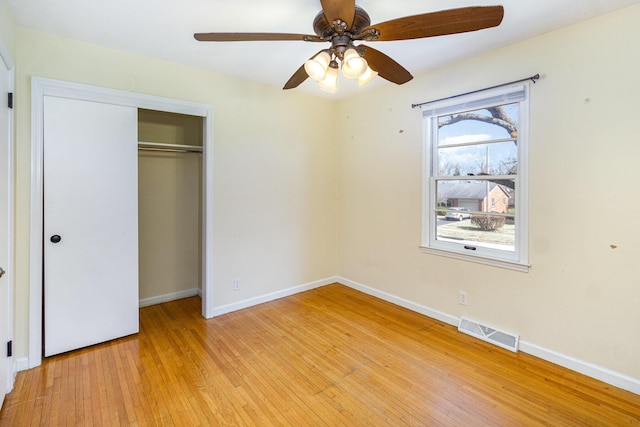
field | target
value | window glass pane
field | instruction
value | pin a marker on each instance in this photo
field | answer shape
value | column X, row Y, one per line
column 499, row 158
column 464, row 213
column 497, row 122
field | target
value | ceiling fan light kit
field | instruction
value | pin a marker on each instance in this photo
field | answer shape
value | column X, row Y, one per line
column 342, row 23
column 353, row 65
column 330, row 81
column 316, row 67
column 324, row 70
column 367, row 76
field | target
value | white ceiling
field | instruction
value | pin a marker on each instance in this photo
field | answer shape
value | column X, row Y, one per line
column 164, row 29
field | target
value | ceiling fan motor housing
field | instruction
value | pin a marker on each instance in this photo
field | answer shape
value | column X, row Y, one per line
column 325, row 29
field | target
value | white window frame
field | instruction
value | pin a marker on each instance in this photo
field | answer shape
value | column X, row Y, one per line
column 518, row 259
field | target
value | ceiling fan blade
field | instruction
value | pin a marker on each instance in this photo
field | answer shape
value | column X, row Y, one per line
column 243, row 37
column 386, row 67
column 298, row 77
column 440, row 23
column 344, row 10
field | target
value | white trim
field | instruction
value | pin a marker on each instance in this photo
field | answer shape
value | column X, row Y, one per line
column 602, row 374
column 7, row 61
column 64, row 89
column 41, row 87
column 159, row 299
column 589, row 369
column 494, row 262
column 35, row 226
column 21, row 364
column 228, row 308
column 206, row 291
column 11, row 217
column 402, row 302
column 506, row 94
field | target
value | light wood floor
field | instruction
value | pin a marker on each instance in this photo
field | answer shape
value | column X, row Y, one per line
column 331, row 356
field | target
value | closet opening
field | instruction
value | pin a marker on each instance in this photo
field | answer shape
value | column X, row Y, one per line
column 170, row 231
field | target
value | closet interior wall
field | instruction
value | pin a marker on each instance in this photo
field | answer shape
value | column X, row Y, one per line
column 170, row 205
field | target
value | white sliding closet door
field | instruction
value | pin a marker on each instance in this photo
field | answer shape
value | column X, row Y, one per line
column 90, row 223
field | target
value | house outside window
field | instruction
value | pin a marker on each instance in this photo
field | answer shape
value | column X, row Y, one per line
column 475, row 160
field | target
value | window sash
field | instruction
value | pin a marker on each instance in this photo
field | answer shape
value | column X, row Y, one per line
column 516, row 259
column 505, row 95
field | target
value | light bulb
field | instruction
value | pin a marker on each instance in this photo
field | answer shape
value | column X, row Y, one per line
column 316, row 67
column 353, row 65
column 330, row 82
column 367, row 76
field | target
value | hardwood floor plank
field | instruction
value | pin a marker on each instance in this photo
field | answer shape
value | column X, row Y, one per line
column 331, row 356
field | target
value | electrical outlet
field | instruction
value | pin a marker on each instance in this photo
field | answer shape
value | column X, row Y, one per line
column 463, row 298
column 236, row 284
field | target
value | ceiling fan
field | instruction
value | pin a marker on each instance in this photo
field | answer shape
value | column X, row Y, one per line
column 342, row 23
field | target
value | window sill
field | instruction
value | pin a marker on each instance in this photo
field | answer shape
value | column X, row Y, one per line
column 494, row 262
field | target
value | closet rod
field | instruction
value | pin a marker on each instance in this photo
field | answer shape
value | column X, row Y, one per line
column 153, row 146
column 168, row 150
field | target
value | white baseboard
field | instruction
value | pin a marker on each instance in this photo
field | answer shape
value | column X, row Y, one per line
column 434, row 314
column 168, row 297
column 228, row 308
column 589, row 369
column 605, row 375
column 21, row 364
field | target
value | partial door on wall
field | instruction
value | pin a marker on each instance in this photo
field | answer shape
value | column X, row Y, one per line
column 90, row 245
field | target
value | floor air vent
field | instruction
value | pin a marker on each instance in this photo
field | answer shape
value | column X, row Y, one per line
column 489, row 334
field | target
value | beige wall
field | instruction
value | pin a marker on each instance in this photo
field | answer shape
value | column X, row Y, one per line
column 169, row 218
column 274, row 166
column 581, row 296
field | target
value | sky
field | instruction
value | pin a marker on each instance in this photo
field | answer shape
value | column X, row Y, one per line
column 473, row 158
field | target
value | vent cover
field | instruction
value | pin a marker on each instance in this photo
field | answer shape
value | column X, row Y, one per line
column 489, row 334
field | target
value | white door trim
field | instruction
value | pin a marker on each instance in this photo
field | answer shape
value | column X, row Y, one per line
column 7, row 62
column 41, row 87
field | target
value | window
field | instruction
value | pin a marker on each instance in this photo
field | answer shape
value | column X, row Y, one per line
column 475, row 159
